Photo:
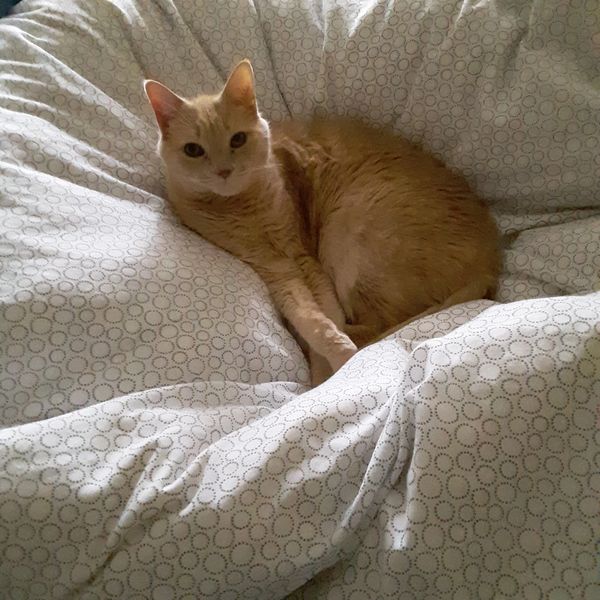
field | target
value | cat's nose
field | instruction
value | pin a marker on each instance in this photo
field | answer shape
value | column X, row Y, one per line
column 224, row 173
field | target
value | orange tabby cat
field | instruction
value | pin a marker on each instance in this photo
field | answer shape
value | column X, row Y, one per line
column 353, row 230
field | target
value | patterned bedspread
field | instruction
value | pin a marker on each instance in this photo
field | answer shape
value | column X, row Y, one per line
column 159, row 439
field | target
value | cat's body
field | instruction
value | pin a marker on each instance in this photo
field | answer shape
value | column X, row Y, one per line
column 394, row 229
column 352, row 229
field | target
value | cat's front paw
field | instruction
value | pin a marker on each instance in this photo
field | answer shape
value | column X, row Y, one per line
column 342, row 355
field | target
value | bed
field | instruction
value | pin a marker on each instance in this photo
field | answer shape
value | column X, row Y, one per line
column 159, row 438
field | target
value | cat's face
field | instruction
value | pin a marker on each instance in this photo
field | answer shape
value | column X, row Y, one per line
column 216, row 144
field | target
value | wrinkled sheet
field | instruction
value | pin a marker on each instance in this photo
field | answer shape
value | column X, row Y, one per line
column 159, row 439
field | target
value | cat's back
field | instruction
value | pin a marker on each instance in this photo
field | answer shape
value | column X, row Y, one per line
column 346, row 140
column 352, row 154
column 376, row 167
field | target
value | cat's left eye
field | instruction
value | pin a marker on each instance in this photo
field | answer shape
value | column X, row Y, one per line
column 193, row 150
column 237, row 139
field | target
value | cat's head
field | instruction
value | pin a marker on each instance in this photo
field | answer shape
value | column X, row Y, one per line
column 216, row 143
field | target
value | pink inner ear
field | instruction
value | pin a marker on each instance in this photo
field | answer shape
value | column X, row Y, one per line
column 245, row 101
column 244, row 95
column 164, row 103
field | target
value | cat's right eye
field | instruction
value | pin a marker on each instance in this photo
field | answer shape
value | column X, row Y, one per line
column 193, row 150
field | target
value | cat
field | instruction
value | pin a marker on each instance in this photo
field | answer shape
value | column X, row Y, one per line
column 355, row 231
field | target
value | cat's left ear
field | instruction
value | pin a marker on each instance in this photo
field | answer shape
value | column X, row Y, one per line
column 165, row 103
column 239, row 89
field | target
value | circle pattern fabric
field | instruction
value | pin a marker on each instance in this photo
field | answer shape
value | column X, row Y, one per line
column 158, row 437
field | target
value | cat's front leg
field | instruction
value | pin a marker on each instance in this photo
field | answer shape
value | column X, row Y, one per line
column 320, row 370
column 297, row 304
column 323, row 290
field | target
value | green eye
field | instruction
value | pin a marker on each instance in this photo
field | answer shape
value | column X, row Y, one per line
column 193, row 150
column 237, row 139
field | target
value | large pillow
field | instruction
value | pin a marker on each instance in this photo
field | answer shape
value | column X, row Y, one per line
column 104, row 293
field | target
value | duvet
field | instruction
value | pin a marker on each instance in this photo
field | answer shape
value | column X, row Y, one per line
column 158, row 436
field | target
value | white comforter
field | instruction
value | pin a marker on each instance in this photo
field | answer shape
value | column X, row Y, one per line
column 159, row 439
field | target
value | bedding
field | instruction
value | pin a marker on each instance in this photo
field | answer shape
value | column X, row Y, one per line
column 159, row 439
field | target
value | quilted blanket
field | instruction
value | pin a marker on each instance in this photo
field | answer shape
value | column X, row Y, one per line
column 158, row 437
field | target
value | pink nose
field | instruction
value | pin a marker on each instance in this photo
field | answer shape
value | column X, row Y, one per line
column 224, row 173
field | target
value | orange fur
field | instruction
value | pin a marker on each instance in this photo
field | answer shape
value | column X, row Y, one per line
column 354, row 230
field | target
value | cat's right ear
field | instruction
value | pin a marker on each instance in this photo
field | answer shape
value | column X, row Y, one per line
column 164, row 102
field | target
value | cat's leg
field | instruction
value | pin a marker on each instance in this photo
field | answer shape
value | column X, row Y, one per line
column 323, row 290
column 475, row 290
column 299, row 307
column 320, row 370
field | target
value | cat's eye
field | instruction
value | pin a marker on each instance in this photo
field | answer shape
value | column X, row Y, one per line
column 237, row 139
column 193, row 150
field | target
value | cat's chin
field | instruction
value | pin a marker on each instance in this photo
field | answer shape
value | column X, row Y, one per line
column 227, row 189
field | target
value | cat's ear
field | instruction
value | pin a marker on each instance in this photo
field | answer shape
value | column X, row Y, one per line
column 239, row 89
column 165, row 103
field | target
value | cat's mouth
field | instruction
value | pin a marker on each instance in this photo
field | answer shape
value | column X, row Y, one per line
column 236, row 182
column 218, row 186
column 230, row 186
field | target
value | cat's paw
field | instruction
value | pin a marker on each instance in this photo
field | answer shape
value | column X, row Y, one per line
column 342, row 355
